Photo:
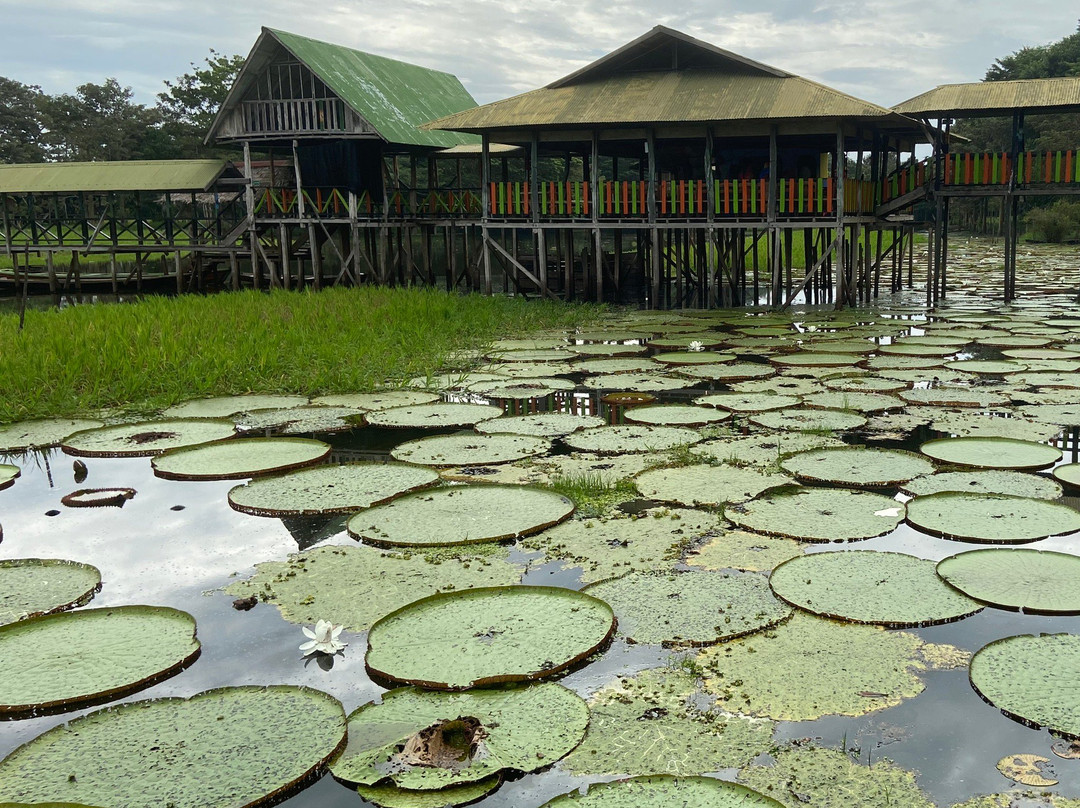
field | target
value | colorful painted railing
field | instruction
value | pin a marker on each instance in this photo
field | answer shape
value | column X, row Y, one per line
column 905, row 180
column 860, row 196
column 995, row 168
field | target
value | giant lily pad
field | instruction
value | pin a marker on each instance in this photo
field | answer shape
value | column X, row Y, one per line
column 636, row 382
column 1056, row 414
column 470, row 450
column 301, row 420
column 648, row 724
column 809, row 420
column 1016, row 483
column 1069, row 473
column 35, row 586
column 75, row 658
column 742, row 550
column 630, row 438
column 146, row 438
column 991, row 518
column 234, row 460
column 819, row 514
column 540, row 424
column 953, row 397
column 748, row 402
column 663, row 790
column 355, row 586
column 425, row 740
column 820, row 359
column 690, row 608
column 461, row 514
column 1027, row 580
column 761, row 450
column 458, row 640
column 329, row 489
column 8, row 474
column 809, row 667
column 41, row 434
column 229, row 748
column 676, row 415
column 992, row 453
column 730, row 372
column 857, row 466
column 224, row 406
column 394, row 797
column 705, row 484
column 376, row 401
column 866, row 586
column 1032, row 679
column 859, row 402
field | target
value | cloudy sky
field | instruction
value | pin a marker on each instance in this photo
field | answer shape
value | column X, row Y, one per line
column 881, row 50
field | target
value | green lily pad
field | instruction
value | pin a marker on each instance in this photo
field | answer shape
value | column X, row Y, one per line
column 828, row 778
column 607, row 349
column 730, row 372
column 8, row 474
column 302, row 420
column 606, row 548
column 690, row 608
column 533, row 354
column 971, row 423
column 458, row 640
column 648, row 724
column 819, row 514
column 1009, row 799
column 423, row 740
column 809, row 667
column 676, row 415
column 859, row 402
column 761, row 450
column 1016, row 483
column 439, row 415
column 819, row 359
column 910, row 347
column 681, row 342
column 866, row 586
column 615, row 366
column 521, row 389
column 988, row 367
column 34, row 586
column 147, row 438
column 233, row 460
column 706, row 484
column 394, row 797
column 329, row 489
column 865, row 384
column 1057, row 414
column 355, row 586
column 71, row 659
column 992, row 453
column 529, row 370
column 540, row 424
column 470, row 449
column 229, row 748
column 42, row 433
column 748, row 402
column 636, row 382
column 1037, row 581
column 857, row 466
column 1069, row 474
column 630, row 438
column 953, row 397
column 461, row 514
column 990, row 518
column 1014, row 342
column 376, row 401
column 1032, row 679
column 809, row 420
column 693, row 358
column 893, row 362
column 743, row 550
column 224, row 406
column 663, row 790
column 1064, row 380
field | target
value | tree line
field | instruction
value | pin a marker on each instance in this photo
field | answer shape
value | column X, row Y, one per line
column 103, row 122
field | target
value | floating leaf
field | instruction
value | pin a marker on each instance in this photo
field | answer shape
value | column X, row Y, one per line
column 662, row 790
column 470, row 450
column 301, row 420
column 8, row 474
column 71, row 659
column 690, row 608
column 458, row 640
column 984, row 482
column 229, row 748
column 540, row 425
column 461, row 515
column 706, row 484
column 809, row 420
column 1032, row 679
column 615, row 366
column 376, row 401
column 693, row 358
column 1037, row 581
column 816, row 359
column 146, row 438
column 676, row 415
column 857, row 466
column 224, row 406
column 748, row 402
column 630, row 438
column 953, row 397
column 35, row 586
column 355, row 586
column 1027, row 769
column 636, row 382
column 867, row 586
column 742, row 550
column 819, row 514
column 424, row 740
column 992, row 453
column 98, row 497
column 730, row 372
column 329, row 489
column 394, row 797
column 859, row 402
column 42, row 433
column 1069, row 473
column 234, row 460
column 761, row 450
column 991, row 518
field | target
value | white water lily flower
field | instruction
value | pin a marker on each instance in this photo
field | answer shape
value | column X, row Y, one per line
column 697, row 345
column 324, row 638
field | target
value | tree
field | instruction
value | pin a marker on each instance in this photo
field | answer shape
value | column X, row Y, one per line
column 100, row 122
column 191, row 101
column 21, row 126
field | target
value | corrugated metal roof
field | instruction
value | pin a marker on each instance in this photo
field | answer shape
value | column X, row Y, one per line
column 130, row 175
column 395, row 97
column 666, row 97
column 995, row 97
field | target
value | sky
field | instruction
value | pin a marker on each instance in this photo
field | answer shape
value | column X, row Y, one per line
column 883, row 51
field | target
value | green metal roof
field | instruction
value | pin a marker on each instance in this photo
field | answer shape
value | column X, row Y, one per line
column 395, row 97
column 995, row 98
column 130, row 175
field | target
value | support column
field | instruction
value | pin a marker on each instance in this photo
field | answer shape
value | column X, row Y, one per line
column 485, row 180
column 839, row 171
column 654, row 258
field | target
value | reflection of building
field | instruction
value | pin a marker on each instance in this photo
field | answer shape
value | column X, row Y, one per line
column 669, row 172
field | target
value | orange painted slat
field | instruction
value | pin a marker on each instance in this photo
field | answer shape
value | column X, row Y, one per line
column 745, row 195
column 948, row 169
column 682, row 197
column 828, row 194
column 727, row 196
column 663, row 196
column 525, row 185
column 1047, row 173
column 1004, row 168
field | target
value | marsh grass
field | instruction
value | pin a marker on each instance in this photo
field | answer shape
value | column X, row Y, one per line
column 592, row 495
column 158, row 351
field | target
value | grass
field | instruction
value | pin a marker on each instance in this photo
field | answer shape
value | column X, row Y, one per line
column 158, row 351
column 591, row 494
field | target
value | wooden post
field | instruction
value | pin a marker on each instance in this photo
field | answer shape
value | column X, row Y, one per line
column 249, row 208
column 773, row 234
column 594, row 202
column 534, row 212
column 650, row 150
column 485, row 193
column 839, row 170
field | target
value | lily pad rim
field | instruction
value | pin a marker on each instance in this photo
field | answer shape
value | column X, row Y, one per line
column 236, row 475
column 1003, row 607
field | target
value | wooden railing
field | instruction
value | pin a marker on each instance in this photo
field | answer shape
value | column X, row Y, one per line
column 295, row 115
column 333, row 203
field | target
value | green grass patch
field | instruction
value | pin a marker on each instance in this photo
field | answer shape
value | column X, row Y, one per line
column 158, row 351
column 591, row 494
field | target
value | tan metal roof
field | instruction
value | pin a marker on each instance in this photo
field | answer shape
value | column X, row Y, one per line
column 707, row 95
column 128, row 175
column 995, row 98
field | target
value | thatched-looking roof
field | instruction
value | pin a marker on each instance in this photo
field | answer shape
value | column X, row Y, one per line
column 990, row 98
column 127, row 175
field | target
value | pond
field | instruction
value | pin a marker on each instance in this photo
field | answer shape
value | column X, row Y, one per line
column 759, row 402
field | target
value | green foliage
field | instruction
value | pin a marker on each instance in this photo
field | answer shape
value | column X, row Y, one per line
column 191, row 101
column 1056, row 223
column 21, row 125
column 592, row 495
column 99, row 122
column 163, row 350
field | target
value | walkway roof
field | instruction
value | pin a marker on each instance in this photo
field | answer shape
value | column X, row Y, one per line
column 128, row 175
column 990, row 98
